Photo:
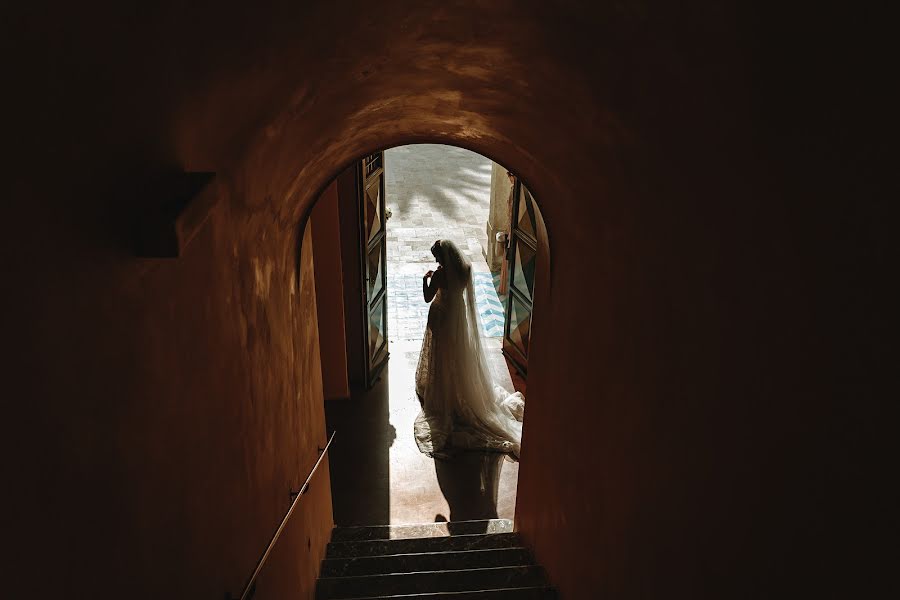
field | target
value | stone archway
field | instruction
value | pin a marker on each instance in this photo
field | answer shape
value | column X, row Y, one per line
column 398, row 483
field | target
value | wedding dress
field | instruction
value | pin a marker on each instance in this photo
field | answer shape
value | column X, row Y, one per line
column 461, row 408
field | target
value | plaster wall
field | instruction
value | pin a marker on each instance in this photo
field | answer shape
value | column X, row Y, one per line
column 707, row 365
column 330, row 294
column 183, row 404
column 355, row 321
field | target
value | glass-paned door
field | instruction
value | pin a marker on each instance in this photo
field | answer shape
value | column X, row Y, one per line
column 374, row 242
column 522, row 257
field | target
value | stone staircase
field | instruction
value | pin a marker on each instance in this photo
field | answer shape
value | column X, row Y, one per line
column 477, row 560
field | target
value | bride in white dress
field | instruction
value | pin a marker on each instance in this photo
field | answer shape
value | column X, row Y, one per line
column 461, row 408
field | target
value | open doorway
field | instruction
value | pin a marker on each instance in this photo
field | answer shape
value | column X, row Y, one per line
column 408, row 197
column 435, row 192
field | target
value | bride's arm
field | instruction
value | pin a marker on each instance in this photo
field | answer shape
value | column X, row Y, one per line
column 429, row 289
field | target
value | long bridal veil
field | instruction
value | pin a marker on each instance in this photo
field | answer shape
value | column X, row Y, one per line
column 461, row 408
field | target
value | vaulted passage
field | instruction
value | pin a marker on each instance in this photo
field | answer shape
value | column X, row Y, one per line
column 708, row 359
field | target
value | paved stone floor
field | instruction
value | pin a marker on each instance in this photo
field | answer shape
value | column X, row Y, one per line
column 433, row 192
column 436, row 191
column 378, row 475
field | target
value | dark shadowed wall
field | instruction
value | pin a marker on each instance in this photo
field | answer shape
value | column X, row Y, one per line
column 329, row 294
column 706, row 358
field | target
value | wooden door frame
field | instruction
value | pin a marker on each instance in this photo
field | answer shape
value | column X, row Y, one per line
column 364, row 179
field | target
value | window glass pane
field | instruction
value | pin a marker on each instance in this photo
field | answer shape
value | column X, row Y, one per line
column 376, row 331
column 523, row 269
column 373, row 162
column 374, row 272
column 526, row 219
column 373, row 209
column 519, row 325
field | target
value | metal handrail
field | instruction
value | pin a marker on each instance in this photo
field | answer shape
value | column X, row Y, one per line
column 295, row 499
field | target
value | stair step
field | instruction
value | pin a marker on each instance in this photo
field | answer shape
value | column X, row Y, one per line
column 393, row 532
column 430, row 581
column 427, row 544
column 523, row 593
column 425, row 561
